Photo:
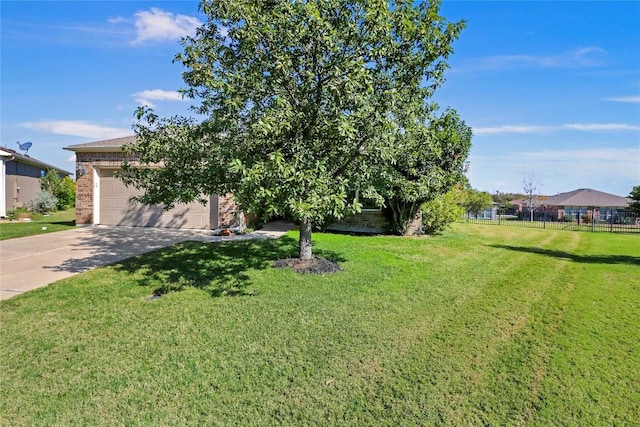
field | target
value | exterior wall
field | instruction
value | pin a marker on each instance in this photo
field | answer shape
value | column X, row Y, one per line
column 372, row 221
column 22, row 183
column 227, row 212
column 3, row 189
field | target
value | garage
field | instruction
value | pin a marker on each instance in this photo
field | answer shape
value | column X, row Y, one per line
column 115, row 208
column 101, row 198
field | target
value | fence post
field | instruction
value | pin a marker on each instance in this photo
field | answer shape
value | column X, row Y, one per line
column 593, row 219
column 610, row 220
column 544, row 217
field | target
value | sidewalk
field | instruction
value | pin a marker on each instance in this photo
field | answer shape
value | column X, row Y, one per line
column 32, row 262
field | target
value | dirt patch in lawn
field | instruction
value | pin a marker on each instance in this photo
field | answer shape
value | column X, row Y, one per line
column 315, row 265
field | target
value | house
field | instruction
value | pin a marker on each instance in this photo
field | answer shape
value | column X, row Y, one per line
column 580, row 205
column 101, row 198
column 20, row 178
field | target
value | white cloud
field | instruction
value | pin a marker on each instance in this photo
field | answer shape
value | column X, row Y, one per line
column 601, row 126
column 144, row 97
column 577, row 58
column 529, row 129
column 77, row 128
column 158, row 25
column 118, row 20
column 629, row 99
column 494, row 130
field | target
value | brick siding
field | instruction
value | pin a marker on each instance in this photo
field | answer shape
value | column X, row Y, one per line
column 227, row 211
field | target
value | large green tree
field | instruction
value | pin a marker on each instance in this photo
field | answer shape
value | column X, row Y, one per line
column 304, row 101
column 428, row 162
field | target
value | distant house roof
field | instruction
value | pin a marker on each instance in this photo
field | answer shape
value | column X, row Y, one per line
column 587, row 197
column 106, row 146
column 11, row 155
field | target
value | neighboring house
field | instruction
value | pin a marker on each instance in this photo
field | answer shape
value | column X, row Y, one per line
column 20, row 179
column 101, row 198
column 579, row 204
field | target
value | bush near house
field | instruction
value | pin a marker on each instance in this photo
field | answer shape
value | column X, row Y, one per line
column 63, row 189
column 44, row 202
column 444, row 210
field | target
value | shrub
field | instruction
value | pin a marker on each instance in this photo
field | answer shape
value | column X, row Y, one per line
column 439, row 213
column 67, row 193
column 64, row 189
column 45, row 201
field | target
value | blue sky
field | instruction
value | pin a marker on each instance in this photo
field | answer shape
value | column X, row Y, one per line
column 551, row 89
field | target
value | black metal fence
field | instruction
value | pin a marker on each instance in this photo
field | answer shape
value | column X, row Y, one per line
column 610, row 221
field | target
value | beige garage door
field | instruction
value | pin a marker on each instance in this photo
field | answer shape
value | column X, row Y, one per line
column 116, row 209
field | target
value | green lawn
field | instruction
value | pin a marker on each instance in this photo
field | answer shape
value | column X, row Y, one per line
column 483, row 325
column 57, row 221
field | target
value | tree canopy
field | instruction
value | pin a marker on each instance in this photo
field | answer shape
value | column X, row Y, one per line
column 476, row 201
column 305, row 101
column 63, row 189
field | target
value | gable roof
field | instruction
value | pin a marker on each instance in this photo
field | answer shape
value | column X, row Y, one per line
column 587, row 197
column 106, row 146
column 10, row 155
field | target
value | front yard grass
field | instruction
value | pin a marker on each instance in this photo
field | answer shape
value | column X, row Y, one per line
column 57, row 221
column 483, row 325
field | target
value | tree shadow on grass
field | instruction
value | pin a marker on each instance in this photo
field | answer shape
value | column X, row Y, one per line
column 219, row 268
column 71, row 223
column 587, row 259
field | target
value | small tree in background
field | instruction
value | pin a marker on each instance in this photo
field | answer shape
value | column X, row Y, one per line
column 505, row 199
column 634, row 206
column 63, row 189
column 532, row 197
column 477, row 201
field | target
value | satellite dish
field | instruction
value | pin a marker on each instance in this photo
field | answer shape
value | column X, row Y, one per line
column 24, row 146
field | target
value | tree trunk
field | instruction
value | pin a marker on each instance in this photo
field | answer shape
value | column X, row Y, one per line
column 305, row 239
column 402, row 215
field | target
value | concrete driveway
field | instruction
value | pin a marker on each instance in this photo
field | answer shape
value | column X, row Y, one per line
column 32, row 262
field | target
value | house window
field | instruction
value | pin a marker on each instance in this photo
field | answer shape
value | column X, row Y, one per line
column 367, row 204
column 575, row 212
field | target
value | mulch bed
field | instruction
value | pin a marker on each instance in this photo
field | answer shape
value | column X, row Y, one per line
column 315, row 265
